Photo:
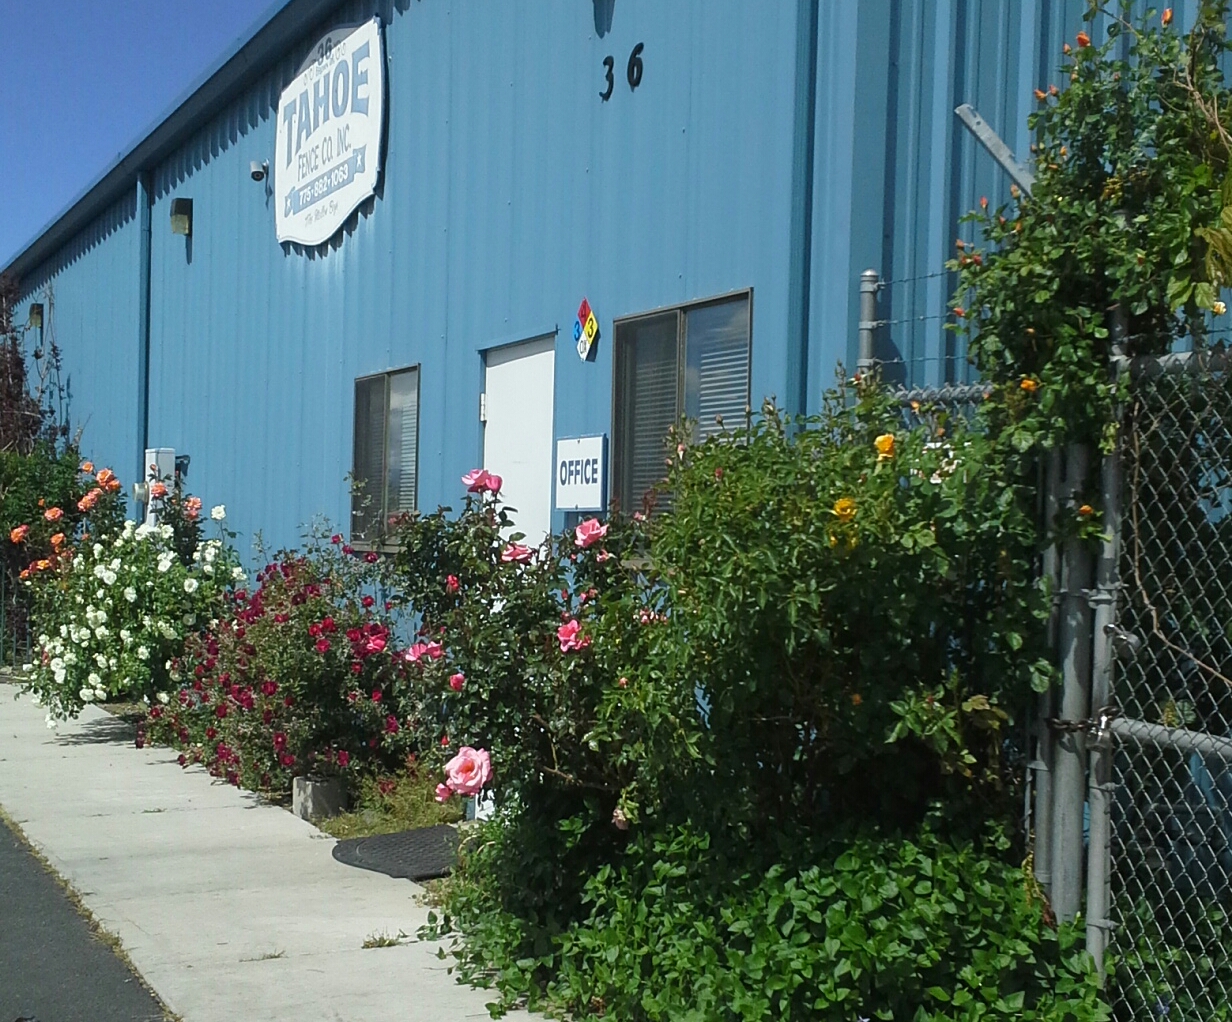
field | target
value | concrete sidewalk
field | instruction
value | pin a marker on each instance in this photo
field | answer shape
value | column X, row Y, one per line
column 229, row 908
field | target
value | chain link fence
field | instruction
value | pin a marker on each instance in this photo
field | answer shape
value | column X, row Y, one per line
column 1171, row 807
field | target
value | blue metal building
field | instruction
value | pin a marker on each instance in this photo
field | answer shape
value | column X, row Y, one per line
column 712, row 175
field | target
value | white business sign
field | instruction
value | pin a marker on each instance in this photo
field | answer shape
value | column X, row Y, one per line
column 581, row 474
column 330, row 121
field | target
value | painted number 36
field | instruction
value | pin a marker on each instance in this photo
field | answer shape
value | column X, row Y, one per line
column 633, row 72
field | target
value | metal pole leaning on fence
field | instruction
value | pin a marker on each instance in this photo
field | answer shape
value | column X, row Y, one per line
column 1069, row 774
column 1100, row 793
column 870, row 282
column 1041, row 765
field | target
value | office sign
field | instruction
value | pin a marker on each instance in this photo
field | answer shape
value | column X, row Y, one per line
column 330, row 123
column 581, row 474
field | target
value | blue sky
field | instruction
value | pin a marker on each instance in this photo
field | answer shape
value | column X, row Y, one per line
column 80, row 80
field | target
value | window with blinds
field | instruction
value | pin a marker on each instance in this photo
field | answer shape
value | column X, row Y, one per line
column 386, row 453
column 689, row 362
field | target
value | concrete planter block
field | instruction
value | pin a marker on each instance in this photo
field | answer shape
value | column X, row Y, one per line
column 316, row 799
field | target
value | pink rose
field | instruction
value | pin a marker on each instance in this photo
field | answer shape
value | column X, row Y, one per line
column 569, row 637
column 451, row 584
column 516, row 552
column 589, row 532
column 469, row 770
column 443, row 792
column 480, row 480
column 431, row 650
column 456, row 681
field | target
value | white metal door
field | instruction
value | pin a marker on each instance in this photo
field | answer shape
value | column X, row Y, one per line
column 517, row 435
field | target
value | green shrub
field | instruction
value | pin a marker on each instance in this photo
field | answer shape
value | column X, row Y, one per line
column 922, row 929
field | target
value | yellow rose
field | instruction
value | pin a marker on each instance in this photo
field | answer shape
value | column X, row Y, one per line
column 885, row 446
column 845, row 509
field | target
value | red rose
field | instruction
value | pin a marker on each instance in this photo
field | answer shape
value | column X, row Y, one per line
column 344, row 758
column 367, row 601
column 376, row 695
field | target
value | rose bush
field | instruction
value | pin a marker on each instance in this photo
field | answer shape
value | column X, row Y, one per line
column 834, row 629
column 115, row 603
column 302, row 674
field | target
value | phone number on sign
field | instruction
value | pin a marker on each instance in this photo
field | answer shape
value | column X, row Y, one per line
column 325, row 184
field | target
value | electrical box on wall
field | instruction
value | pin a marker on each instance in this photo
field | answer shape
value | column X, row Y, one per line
column 159, row 467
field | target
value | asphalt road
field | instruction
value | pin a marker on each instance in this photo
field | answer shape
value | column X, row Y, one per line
column 52, row 968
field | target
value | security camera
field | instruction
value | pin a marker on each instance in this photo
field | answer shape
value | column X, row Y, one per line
column 258, row 170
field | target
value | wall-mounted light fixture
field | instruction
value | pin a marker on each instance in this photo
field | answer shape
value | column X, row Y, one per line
column 36, row 315
column 258, row 169
column 181, row 217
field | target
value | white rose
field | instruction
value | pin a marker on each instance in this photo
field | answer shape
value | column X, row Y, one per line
column 57, row 664
column 164, row 698
column 190, row 585
column 98, row 549
column 208, row 570
column 237, row 575
column 101, row 660
column 70, row 657
column 126, row 636
column 165, row 531
column 63, row 631
column 101, row 632
column 60, row 675
column 143, row 653
column 94, row 679
column 44, row 639
column 218, row 512
column 109, row 577
column 100, row 693
column 115, row 564
column 130, row 594
column 87, row 695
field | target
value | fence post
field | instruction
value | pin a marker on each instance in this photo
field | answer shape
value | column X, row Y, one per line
column 1042, row 764
column 1069, row 775
column 1100, row 794
column 1099, row 861
column 869, row 283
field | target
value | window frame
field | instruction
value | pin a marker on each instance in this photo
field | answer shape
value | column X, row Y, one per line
column 381, row 542
column 681, row 309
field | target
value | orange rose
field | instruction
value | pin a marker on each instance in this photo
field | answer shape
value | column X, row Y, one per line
column 1086, row 511
column 1166, row 17
column 87, row 467
column 57, row 540
column 43, row 565
column 53, row 514
column 105, row 476
column 1083, row 40
column 25, row 573
column 19, row 533
column 113, row 485
column 1029, row 385
column 89, row 500
column 158, row 490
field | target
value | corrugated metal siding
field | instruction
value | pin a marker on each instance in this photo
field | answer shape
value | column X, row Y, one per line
column 917, row 170
column 510, row 191
column 90, row 294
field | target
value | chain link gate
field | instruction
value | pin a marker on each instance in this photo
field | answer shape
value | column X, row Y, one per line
column 1169, row 860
